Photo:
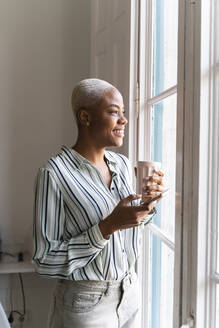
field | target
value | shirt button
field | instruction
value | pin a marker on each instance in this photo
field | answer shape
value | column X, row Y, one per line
column 112, row 188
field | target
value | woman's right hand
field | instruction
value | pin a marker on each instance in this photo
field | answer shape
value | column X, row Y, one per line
column 125, row 216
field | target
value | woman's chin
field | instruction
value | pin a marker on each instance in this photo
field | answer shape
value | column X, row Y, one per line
column 114, row 142
column 118, row 143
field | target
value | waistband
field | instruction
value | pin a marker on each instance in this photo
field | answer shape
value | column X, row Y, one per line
column 101, row 286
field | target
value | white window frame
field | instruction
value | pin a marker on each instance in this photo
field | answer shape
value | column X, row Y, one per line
column 200, row 167
column 197, row 211
column 208, row 170
column 144, row 152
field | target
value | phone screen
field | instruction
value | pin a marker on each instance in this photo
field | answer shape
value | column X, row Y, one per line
column 150, row 200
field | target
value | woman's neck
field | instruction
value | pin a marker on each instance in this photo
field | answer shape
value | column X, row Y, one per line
column 89, row 151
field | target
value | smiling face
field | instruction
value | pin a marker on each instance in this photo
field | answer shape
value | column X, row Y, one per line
column 107, row 120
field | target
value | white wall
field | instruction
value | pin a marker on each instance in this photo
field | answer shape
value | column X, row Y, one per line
column 110, row 51
column 44, row 51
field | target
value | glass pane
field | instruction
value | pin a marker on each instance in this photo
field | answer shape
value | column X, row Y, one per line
column 164, row 151
column 165, row 32
column 162, row 284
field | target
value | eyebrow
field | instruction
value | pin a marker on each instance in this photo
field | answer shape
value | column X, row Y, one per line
column 115, row 105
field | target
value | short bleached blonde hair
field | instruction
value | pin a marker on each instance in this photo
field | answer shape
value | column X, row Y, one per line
column 87, row 93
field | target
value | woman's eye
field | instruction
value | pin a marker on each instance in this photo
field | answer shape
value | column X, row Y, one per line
column 114, row 112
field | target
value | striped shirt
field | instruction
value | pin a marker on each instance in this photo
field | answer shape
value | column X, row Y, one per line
column 71, row 199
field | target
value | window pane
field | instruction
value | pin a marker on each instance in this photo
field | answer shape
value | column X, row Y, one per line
column 162, row 283
column 164, row 151
column 165, row 31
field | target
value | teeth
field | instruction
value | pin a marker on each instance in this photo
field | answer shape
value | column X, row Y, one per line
column 119, row 132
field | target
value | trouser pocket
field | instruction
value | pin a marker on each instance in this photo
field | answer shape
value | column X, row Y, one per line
column 83, row 301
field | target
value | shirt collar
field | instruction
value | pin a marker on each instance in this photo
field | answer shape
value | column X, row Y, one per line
column 111, row 162
column 82, row 160
column 109, row 158
column 76, row 157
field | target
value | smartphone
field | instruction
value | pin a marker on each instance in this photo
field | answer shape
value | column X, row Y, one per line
column 150, row 200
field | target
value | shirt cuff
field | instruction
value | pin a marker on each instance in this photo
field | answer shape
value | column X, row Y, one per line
column 96, row 238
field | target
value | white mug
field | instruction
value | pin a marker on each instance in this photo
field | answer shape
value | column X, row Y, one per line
column 145, row 169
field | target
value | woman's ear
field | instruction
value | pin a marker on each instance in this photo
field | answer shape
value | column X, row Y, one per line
column 83, row 117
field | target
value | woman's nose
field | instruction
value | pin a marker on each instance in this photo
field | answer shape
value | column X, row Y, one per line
column 123, row 120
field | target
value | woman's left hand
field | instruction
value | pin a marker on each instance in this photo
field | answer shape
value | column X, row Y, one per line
column 153, row 186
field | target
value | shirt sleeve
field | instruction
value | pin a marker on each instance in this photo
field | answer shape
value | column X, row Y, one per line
column 53, row 255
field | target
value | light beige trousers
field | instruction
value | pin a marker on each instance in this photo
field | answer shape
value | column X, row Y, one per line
column 95, row 304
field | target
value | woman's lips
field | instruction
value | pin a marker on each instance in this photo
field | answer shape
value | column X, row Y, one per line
column 118, row 133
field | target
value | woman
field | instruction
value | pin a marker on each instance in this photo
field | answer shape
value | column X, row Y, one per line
column 86, row 233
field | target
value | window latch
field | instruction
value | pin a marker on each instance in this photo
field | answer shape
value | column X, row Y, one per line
column 189, row 323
